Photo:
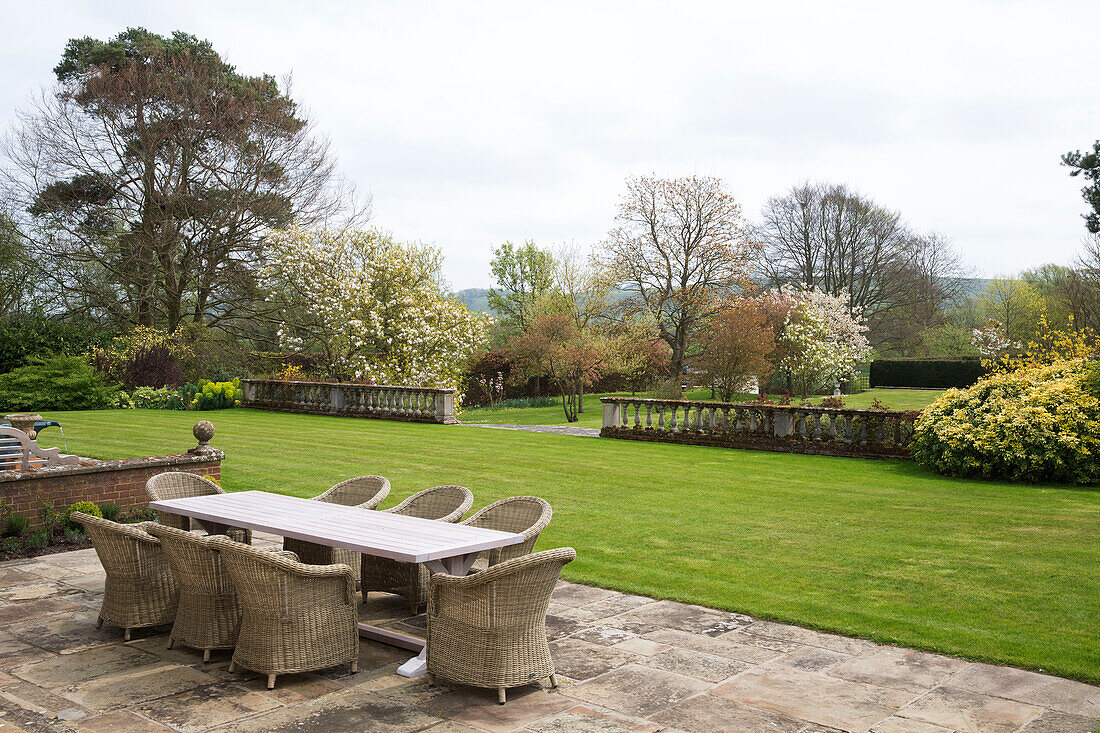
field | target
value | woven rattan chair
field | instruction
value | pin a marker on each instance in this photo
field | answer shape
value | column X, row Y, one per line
column 489, row 629
column 525, row 515
column 182, row 485
column 409, row 579
column 294, row 617
column 365, row 492
column 209, row 615
column 140, row 590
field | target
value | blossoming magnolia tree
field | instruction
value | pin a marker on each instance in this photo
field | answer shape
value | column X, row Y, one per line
column 821, row 341
column 374, row 307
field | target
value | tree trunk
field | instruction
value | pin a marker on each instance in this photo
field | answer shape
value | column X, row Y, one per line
column 568, row 401
column 580, row 398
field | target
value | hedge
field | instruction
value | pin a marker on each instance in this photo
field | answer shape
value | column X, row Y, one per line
column 942, row 373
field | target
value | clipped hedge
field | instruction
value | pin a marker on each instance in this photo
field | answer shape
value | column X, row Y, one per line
column 941, row 373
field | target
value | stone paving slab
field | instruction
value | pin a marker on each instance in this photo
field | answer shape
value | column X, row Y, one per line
column 626, row 663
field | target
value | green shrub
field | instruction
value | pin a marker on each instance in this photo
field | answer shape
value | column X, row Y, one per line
column 157, row 399
column 38, row 539
column 52, row 520
column 15, row 525
column 939, row 373
column 138, row 514
column 60, row 383
column 26, row 338
column 86, row 507
column 110, row 511
column 74, row 534
column 216, row 395
column 11, row 545
column 1040, row 423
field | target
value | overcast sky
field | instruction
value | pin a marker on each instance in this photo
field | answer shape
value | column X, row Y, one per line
column 475, row 122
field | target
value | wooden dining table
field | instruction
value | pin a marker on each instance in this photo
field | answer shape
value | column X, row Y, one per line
column 442, row 547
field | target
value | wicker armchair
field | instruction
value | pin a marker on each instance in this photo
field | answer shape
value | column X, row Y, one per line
column 489, row 629
column 409, row 579
column 140, row 590
column 365, row 492
column 209, row 615
column 294, row 617
column 525, row 515
column 181, row 485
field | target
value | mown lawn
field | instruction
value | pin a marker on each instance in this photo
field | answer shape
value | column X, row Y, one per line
column 895, row 399
column 880, row 549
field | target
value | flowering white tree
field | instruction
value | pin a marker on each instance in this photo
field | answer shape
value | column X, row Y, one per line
column 992, row 341
column 374, row 307
column 821, row 341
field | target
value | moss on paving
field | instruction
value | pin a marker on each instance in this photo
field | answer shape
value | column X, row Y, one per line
column 881, row 549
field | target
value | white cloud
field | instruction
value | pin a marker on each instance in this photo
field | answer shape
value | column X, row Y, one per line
column 471, row 123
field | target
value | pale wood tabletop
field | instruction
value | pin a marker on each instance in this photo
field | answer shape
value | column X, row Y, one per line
column 395, row 536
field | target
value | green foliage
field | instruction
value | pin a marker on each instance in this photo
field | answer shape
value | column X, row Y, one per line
column 164, row 398
column 121, row 401
column 38, row 539
column 11, row 545
column 27, row 338
column 1039, row 423
column 946, row 339
column 1013, row 303
column 15, row 525
column 110, row 511
column 74, row 534
column 522, row 273
column 940, row 373
column 1087, row 164
column 52, row 519
column 1092, row 380
column 216, row 395
column 137, row 514
column 58, row 383
column 86, row 507
column 17, row 269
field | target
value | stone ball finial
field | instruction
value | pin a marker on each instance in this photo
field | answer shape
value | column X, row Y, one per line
column 203, row 431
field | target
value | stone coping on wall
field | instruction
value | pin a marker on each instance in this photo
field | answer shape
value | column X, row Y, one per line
column 93, row 465
column 760, row 406
column 313, row 383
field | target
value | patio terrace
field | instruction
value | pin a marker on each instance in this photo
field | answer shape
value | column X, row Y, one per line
column 630, row 664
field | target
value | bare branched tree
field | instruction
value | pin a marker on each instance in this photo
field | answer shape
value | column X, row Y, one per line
column 829, row 237
column 152, row 171
column 680, row 247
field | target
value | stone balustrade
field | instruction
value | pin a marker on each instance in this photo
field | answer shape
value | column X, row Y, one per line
column 409, row 404
column 786, row 428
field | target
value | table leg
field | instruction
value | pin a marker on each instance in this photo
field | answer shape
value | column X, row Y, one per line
column 213, row 528
column 458, row 565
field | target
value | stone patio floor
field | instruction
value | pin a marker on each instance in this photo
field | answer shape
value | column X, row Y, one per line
column 631, row 664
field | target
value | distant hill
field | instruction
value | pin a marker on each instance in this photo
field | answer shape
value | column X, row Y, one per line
column 477, row 299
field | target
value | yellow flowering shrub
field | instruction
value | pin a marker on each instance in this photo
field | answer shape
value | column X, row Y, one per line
column 1049, row 345
column 1039, row 423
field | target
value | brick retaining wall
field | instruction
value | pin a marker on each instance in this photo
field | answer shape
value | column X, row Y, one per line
column 119, row 482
